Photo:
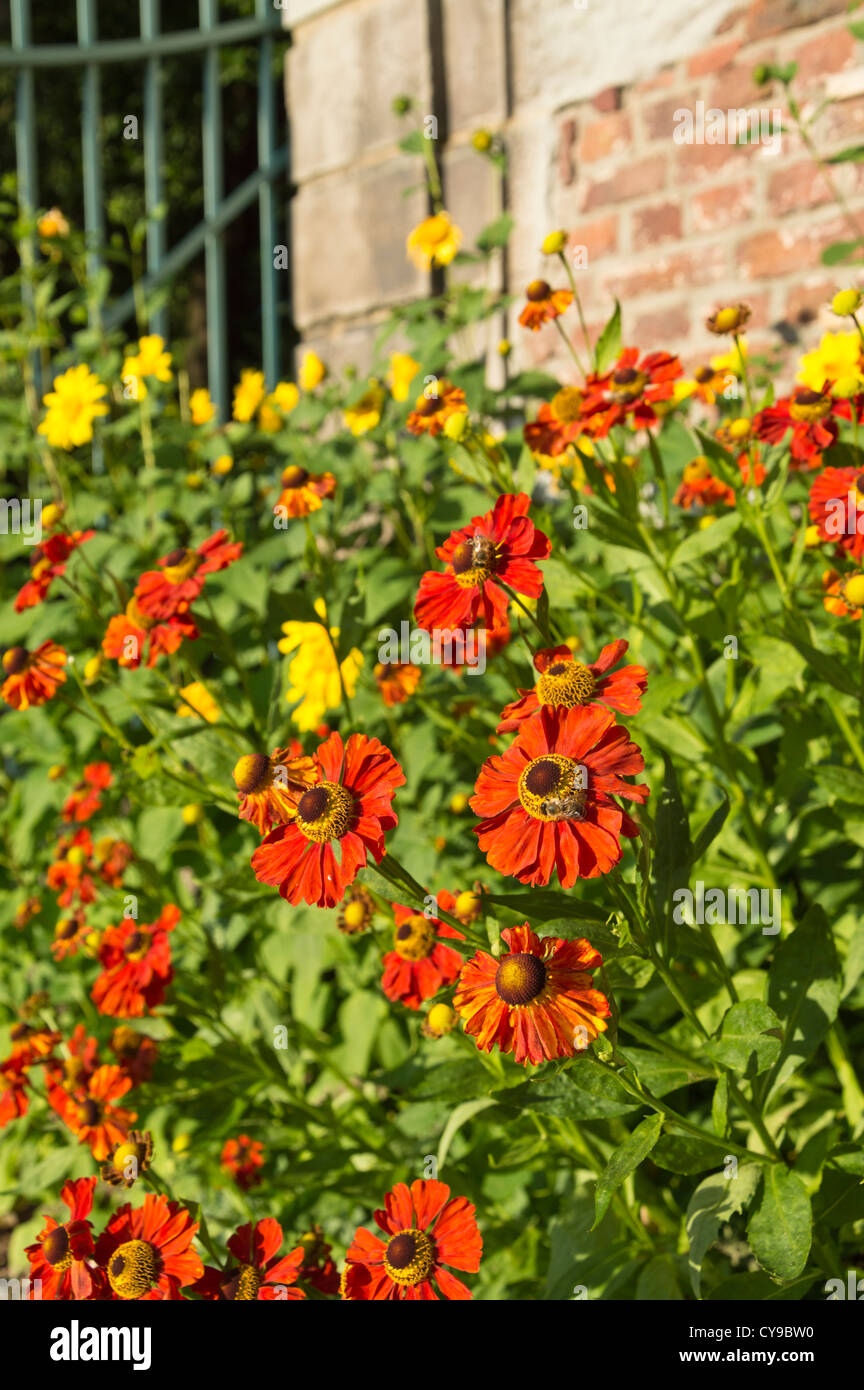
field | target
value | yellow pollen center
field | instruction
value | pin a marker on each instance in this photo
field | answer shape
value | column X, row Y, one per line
column 414, row 938
column 567, row 404
column 809, row 405
column 566, row 683
column 132, row 1269
column 550, row 788
column 628, row 384
column 726, row 319
column 325, row 812
column 520, row 978
column 252, row 774
column 243, row 1285
column 473, row 561
column 409, row 1257
column 294, row 476
column 180, row 565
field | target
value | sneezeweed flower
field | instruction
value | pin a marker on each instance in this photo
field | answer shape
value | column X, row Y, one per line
column 281, row 401
column 396, row 681
column 439, row 1021
column 403, row 369
column 317, row 677
column 566, row 683
column 418, row 965
column 248, row 395
column 111, row 858
column 837, row 360
column 177, row 583
column 25, row 912
column 843, row 595
column 70, row 934
column 312, row 371
column 554, row 243
column 699, row 486
column 537, row 1001
column 434, row 241
column 47, row 563
column 632, row 390
column 365, row 413
column 269, row 788
column 241, row 1159
column 504, row 546
column 32, row 678
column 147, row 1252
column 128, row 1160
column 132, row 636
column 136, row 966
column 836, row 507
column 544, row 304
column 440, row 401
column 730, row 319
column 259, row 1275
column 61, row 1259
column 136, row 1053
column 71, row 873
column 427, row 1234
column 356, row 911
column 84, row 800
column 559, row 422
column 809, row 415
column 89, row 1109
column 318, row 1268
column 350, row 806
column 302, row 491
column 201, row 407
column 549, row 801
column 75, row 402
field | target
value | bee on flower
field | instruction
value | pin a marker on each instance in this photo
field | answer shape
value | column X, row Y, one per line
column 426, row 1234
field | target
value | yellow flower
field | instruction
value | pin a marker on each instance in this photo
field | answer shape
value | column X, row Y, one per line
column 312, row 371
column 730, row 361
column 152, row 359
column 280, row 402
column 73, row 405
column 314, row 672
column 248, row 394
column 403, row 370
column 434, row 241
column 553, row 243
column 365, row 414
column 482, row 141
column 222, row 466
column 846, row 302
column 201, row 407
column 505, row 347
column 838, row 360
column 52, row 223
column 199, row 703
column 455, row 426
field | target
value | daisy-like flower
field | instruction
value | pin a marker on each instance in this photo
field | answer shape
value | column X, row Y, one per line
column 169, row 591
column 71, row 874
column 544, row 304
column 837, row 508
column 70, row 934
column 318, row 1268
column 136, row 1053
column 89, row 1110
column 843, row 595
column 809, row 415
column 700, row 488
column 560, row 422
column 147, row 1252
column 32, row 678
column 259, row 1274
column 80, row 1063
column 84, row 800
column 62, row 1256
column 365, row 413
column 537, row 1001
column 632, row 389
column 439, row 403
column 548, row 802
column 241, row 1159
column 151, row 359
column 198, row 703
column 201, row 407
column 269, row 788
column 136, row 966
column 434, row 241
column 302, row 491
column 730, row 319
column 837, row 359
column 503, row 545
column 112, row 857
column 356, row 911
column 419, row 965
column 282, row 400
column 396, row 681
column 707, row 384
column 132, row 635
column 248, row 395
column 317, row 677
column 439, row 1021
column 350, row 807
column 427, row 1234
column 566, row 682
column 128, row 1160
column 26, row 911
column 47, row 563
column 403, row 369
column 73, row 405
column 312, row 371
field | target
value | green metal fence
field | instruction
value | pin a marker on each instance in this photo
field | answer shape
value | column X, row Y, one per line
column 91, row 55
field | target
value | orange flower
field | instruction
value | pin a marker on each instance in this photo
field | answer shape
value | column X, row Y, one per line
column 318, row 1268
column 32, row 678
column 129, row 635
column 84, row 801
column 147, row 1253
column 62, row 1257
column 809, row 415
column 47, row 563
column 136, row 966
column 843, row 595
column 565, row 683
column 70, row 876
column 544, row 304
column 302, row 491
column 168, row 591
column 432, row 411
column 536, row 1002
column 70, row 934
column 396, row 680
column 270, row 788
column 258, row 1275
column 136, row 1053
column 699, row 487
column 632, row 389
column 425, row 1232
column 350, row 805
column 241, row 1159
column 837, row 508
column 419, row 965
column 89, row 1111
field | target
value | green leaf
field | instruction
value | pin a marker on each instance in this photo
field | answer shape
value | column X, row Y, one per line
column 804, row 985
column 720, row 1105
column 839, row 251
column 497, row 233
column 827, row 667
column 459, row 1117
column 843, row 782
column 587, row 1092
column 714, row 1201
column 673, row 852
column 710, row 830
column 852, row 154
column 658, row 1281
column 750, row 1039
column 703, row 542
column 624, row 1161
column 779, row 1230
column 545, row 906
column 683, row 1153
column 609, row 342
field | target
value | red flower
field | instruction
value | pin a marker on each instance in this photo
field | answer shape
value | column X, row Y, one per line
column 700, row 488
column 136, row 1053
column 84, row 801
column 270, row 788
column 131, row 634
column 70, row 876
column 551, row 433
column 425, row 1232
column 89, row 1110
column 809, row 415
column 418, row 966
column 548, row 801
column 136, row 963
column 241, row 1159
column 318, row 1269
column 566, row 682
column 350, row 805
column 544, row 304
column 431, row 412
column 503, row 545
column 61, row 1257
column 47, row 563
column 169, row 591
column 837, row 508
column 32, row 678
column 14, row 1101
column 537, row 1002
column 147, row 1254
column 258, row 1275
column 633, row 388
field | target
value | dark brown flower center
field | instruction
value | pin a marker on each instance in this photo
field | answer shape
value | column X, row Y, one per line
column 15, row 660
column 294, row 476
column 312, row 805
column 538, row 290
column 520, row 978
column 543, row 777
column 252, row 773
column 88, row 1112
column 55, row 1247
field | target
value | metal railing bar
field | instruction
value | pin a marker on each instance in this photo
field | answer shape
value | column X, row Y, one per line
column 214, row 245
column 153, row 156
column 91, row 149
column 64, row 55
column 267, row 209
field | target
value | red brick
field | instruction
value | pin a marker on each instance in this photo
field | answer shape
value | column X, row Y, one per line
column 608, row 100
column 600, row 237
column 664, row 78
column 774, row 16
column 841, row 124
column 659, row 118
column 824, row 54
column 793, row 189
column 566, row 141
column 722, row 207
column 662, row 326
column 786, row 252
column 736, row 88
column 803, row 302
column 674, row 271
column 699, row 162
column 713, row 59
column 604, row 137
column 633, row 180
column 655, row 224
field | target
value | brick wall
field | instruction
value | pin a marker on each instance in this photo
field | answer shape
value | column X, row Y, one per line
column 585, row 101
